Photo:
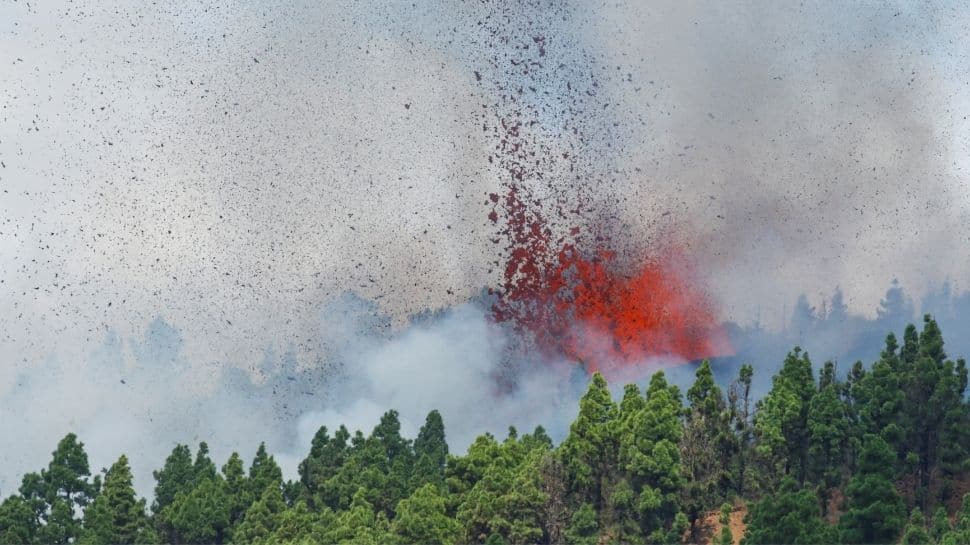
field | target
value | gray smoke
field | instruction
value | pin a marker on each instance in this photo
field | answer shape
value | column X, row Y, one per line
column 187, row 190
column 451, row 362
column 797, row 147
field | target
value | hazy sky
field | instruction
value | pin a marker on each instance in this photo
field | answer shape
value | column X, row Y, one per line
column 231, row 166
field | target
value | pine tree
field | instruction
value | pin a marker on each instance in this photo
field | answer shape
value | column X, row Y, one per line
column 203, row 468
column 583, row 528
column 876, row 513
column 116, row 516
column 915, row 533
column 725, row 537
column 895, row 310
column 422, row 518
column 804, row 319
column 791, row 515
column 554, row 513
column 507, row 500
column 705, row 444
column 358, row 524
column 200, row 516
column 481, row 509
column 781, row 422
column 327, row 455
column 878, row 396
column 262, row 518
column 238, row 491
column 739, row 399
column 61, row 525
column 17, row 522
column 941, row 525
column 430, row 452
column 264, row 473
column 58, row 491
column 960, row 533
column 300, row 525
column 395, row 456
column 538, row 439
column 68, row 472
column 177, row 475
column 932, row 422
column 590, row 449
column 649, row 457
column 632, row 403
column 954, row 438
column 827, row 428
column 463, row 472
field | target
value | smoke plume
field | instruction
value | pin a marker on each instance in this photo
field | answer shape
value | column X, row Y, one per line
column 189, row 193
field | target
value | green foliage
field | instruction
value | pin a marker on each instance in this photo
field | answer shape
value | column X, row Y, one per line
column 116, row 516
column 262, row 518
column 430, row 453
column 590, row 447
column 650, row 456
column 67, row 474
column 707, row 441
column 264, row 473
column 380, row 465
column 177, row 475
column 828, row 437
column 915, row 533
column 358, row 525
column 57, row 492
column 238, row 492
column 299, row 524
column 960, row 533
column 199, row 516
column 781, row 422
column 791, row 516
column 422, row 518
column 725, row 537
column 201, row 510
column 876, row 513
column 893, row 438
column 327, row 456
column 17, row 523
column 941, row 525
column 203, row 468
column 61, row 526
column 583, row 528
column 506, row 500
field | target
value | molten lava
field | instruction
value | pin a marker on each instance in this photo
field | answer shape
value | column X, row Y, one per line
column 581, row 304
column 547, row 116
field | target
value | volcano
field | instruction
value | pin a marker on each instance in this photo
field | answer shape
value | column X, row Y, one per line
column 575, row 299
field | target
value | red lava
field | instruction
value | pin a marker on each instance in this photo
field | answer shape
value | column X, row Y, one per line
column 579, row 304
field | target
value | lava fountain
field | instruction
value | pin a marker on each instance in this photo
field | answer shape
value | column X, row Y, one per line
column 567, row 287
column 579, row 302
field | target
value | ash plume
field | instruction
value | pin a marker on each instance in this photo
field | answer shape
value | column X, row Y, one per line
column 187, row 194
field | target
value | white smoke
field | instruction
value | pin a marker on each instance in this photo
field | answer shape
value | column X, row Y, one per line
column 453, row 362
column 231, row 170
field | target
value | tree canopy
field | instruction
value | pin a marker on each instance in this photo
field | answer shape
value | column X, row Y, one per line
column 861, row 457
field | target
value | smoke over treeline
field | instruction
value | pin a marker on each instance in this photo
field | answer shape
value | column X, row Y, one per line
column 132, row 394
column 188, row 192
column 234, row 169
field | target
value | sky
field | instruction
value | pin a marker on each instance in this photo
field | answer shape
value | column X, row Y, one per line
column 231, row 167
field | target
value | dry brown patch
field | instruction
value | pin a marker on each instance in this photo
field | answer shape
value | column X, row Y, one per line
column 961, row 487
column 709, row 525
column 834, row 508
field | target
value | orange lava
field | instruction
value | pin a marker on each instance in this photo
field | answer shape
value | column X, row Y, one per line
column 584, row 306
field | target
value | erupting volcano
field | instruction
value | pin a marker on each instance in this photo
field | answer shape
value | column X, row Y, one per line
column 581, row 303
column 571, row 286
